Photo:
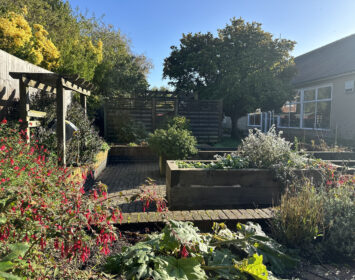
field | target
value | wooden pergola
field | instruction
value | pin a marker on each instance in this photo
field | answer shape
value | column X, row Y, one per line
column 52, row 83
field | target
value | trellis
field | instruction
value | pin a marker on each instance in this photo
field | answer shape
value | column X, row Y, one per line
column 52, row 83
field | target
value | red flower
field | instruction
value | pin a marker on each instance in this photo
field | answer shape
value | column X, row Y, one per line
column 4, row 121
column 3, row 147
column 184, row 253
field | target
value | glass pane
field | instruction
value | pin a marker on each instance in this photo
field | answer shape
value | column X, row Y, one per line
column 251, row 120
column 257, row 119
column 323, row 114
column 325, row 92
column 284, row 119
column 297, row 97
column 309, row 94
column 295, row 114
column 309, row 114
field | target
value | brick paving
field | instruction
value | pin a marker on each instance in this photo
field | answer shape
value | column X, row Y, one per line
column 125, row 179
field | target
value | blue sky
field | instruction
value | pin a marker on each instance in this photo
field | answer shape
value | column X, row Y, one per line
column 155, row 25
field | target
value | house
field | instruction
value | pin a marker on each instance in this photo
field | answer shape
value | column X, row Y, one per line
column 324, row 103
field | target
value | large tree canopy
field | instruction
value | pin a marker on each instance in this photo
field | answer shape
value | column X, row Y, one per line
column 87, row 46
column 244, row 65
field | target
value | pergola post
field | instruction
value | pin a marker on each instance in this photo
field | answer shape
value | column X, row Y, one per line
column 24, row 106
column 61, row 123
column 83, row 102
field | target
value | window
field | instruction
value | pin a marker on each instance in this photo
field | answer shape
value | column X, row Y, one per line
column 254, row 119
column 310, row 109
column 349, row 86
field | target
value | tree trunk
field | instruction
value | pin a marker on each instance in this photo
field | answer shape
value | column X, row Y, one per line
column 235, row 133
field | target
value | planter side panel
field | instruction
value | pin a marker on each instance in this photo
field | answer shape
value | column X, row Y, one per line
column 217, row 189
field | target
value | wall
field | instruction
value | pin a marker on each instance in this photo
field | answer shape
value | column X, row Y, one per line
column 9, row 88
column 342, row 122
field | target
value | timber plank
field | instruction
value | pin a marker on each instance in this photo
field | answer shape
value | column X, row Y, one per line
column 229, row 214
column 221, row 215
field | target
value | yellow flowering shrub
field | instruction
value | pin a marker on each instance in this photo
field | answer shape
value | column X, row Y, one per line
column 32, row 44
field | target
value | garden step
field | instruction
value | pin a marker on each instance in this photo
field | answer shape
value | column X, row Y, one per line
column 198, row 215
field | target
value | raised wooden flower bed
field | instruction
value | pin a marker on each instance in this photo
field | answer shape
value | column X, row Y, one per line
column 91, row 171
column 200, row 188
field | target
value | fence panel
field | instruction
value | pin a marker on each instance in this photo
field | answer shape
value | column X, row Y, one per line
column 205, row 115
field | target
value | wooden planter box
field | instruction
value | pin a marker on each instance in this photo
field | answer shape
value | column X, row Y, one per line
column 131, row 153
column 199, row 188
column 93, row 170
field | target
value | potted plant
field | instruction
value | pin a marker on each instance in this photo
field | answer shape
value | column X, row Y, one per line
column 175, row 142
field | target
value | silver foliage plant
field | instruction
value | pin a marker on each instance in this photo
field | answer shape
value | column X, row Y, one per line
column 264, row 150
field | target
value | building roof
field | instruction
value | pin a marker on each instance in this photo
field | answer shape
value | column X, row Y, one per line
column 330, row 60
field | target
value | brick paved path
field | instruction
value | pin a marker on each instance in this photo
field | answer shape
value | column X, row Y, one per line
column 124, row 181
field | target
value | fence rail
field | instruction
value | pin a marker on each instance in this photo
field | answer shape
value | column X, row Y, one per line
column 205, row 115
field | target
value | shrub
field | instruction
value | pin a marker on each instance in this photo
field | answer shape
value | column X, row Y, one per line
column 179, row 122
column 180, row 251
column 83, row 145
column 339, row 220
column 263, row 150
column 129, row 131
column 43, row 206
column 322, row 219
column 299, row 219
column 173, row 142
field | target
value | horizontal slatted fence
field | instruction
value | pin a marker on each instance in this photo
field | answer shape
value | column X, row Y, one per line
column 205, row 115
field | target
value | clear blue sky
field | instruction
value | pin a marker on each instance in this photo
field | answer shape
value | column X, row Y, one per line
column 155, row 25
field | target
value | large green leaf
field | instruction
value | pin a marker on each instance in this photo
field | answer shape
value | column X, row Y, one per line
column 6, row 265
column 254, row 267
column 9, row 276
column 182, row 269
column 17, row 250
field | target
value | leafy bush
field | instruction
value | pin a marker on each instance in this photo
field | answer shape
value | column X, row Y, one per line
column 43, row 206
column 264, row 150
column 181, row 252
column 339, row 220
column 173, row 142
column 84, row 144
column 320, row 218
column 129, row 131
column 179, row 122
column 299, row 219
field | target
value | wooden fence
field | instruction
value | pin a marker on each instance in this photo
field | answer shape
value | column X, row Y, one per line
column 205, row 115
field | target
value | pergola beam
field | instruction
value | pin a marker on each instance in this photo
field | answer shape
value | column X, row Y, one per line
column 54, row 83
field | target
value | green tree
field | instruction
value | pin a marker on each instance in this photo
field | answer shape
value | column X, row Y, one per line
column 244, row 65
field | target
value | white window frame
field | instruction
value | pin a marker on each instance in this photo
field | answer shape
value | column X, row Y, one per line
column 316, row 100
column 254, row 125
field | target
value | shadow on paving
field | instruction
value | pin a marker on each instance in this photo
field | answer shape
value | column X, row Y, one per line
column 129, row 175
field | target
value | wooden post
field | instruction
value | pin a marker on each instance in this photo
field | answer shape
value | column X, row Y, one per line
column 83, row 102
column 61, row 123
column 154, row 105
column 105, row 120
column 176, row 107
column 24, row 108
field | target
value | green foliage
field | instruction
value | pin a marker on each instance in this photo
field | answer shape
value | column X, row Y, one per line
column 180, row 251
column 175, row 142
column 84, row 144
column 89, row 48
column 339, row 219
column 179, row 122
column 45, row 207
column 243, row 64
column 320, row 221
column 15, row 255
column 128, row 131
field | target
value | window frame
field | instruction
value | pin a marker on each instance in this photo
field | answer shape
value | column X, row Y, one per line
column 316, row 101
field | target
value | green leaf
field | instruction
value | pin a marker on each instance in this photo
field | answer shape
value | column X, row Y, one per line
column 9, row 276
column 17, row 250
column 6, row 265
column 254, row 267
column 183, row 269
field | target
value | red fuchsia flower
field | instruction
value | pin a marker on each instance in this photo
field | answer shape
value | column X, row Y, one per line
column 20, row 121
column 4, row 121
column 2, row 148
column 184, row 253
